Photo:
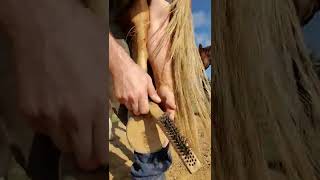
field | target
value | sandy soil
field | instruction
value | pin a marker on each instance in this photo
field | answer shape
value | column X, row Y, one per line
column 121, row 159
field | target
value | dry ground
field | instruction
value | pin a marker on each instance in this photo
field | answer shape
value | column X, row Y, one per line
column 121, row 155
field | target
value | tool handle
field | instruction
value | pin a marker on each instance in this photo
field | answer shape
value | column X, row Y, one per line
column 155, row 110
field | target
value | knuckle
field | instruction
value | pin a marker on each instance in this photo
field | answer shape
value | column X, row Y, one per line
column 118, row 96
column 137, row 113
column 131, row 96
column 145, row 110
column 140, row 92
column 148, row 80
column 135, row 110
column 122, row 99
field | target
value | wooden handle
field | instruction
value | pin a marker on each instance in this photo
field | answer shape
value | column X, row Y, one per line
column 155, row 110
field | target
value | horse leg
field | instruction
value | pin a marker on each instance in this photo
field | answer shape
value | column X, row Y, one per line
column 139, row 16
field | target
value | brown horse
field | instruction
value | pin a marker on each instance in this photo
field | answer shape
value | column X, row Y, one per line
column 205, row 54
column 305, row 11
column 187, row 68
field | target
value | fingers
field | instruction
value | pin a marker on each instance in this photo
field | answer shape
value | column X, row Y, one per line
column 141, row 105
column 170, row 101
column 171, row 113
column 170, row 105
column 144, row 104
column 136, row 99
column 128, row 106
column 152, row 92
column 138, row 103
column 135, row 107
column 143, row 101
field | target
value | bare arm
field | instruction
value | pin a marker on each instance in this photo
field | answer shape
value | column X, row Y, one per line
column 160, row 61
column 132, row 86
column 118, row 58
column 159, row 18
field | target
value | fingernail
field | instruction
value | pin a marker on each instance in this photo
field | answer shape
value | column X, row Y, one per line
column 157, row 98
column 137, row 113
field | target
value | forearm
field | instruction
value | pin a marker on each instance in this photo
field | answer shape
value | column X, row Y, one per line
column 118, row 57
column 160, row 60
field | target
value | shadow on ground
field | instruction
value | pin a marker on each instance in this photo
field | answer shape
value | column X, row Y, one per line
column 120, row 154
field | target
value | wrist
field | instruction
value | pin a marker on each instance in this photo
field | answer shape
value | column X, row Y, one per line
column 119, row 60
column 161, row 66
column 162, row 74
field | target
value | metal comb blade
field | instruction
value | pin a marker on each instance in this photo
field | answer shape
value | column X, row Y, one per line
column 179, row 143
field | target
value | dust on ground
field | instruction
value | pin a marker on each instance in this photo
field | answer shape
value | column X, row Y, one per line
column 121, row 155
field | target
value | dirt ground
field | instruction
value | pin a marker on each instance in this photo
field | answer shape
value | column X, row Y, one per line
column 121, row 158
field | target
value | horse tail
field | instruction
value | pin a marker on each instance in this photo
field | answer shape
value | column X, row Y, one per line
column 191, row 86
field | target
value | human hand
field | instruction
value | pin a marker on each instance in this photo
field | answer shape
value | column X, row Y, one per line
column 160, row 61
column 61, row 71
column 131, row 84
column 167, row 99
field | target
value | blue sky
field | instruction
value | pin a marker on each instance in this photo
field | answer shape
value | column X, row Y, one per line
column 201, row 11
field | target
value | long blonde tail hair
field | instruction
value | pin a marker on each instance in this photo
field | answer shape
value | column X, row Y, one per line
column 266, row 94
column 191, row 87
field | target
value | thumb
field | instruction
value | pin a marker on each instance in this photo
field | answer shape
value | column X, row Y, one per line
column 171, row 113
column 170, row 100
column 153, row 93
column 170, row 104
column 168, row 97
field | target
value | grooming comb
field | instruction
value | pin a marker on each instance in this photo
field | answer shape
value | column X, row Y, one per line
column 179, row 142
column 158, row 125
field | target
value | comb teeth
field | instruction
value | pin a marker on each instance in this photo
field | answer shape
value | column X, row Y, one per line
column 179, row 142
